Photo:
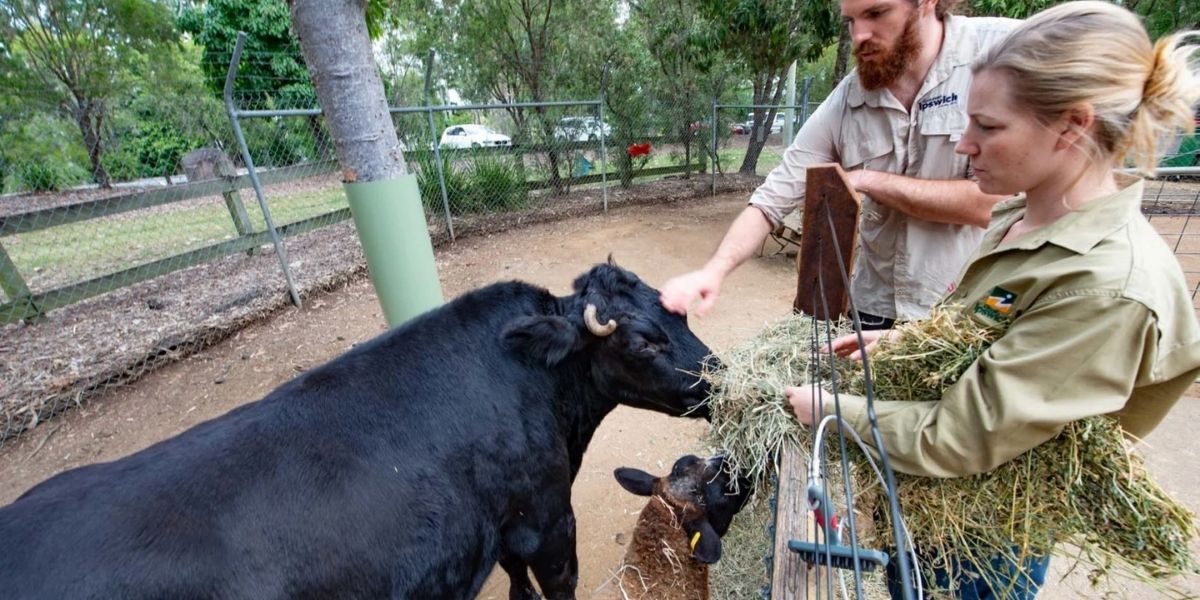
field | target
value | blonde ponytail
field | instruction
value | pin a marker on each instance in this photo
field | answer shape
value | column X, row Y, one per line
column 1168, row 98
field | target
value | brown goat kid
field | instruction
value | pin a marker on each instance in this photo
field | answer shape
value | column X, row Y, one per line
column 678, row 533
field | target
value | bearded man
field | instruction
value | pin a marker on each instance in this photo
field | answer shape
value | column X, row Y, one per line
column 892, row 124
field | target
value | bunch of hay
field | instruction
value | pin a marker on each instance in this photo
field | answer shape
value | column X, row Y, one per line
column 1085, row 487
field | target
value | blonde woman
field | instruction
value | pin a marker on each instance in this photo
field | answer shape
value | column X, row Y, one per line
column 1098, row 317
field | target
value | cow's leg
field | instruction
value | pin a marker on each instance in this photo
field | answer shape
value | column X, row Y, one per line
column 554, row 564
column 520, row 587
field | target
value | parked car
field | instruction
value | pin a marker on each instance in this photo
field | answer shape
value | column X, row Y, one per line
column 473, row 136
column 581, row 129
column 776, row 126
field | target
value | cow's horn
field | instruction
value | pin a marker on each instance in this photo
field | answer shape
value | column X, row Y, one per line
column 594, row 326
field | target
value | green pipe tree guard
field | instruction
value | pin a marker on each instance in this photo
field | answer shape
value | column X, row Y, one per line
column 395, row 239
column 384, row 199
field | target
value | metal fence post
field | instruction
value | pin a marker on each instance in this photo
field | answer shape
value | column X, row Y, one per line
column 713, row 177
column 241, row 140
column 804, row 100
column 437, row 146
column 603, row 144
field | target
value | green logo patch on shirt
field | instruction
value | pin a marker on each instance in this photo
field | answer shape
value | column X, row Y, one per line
column 997, row 306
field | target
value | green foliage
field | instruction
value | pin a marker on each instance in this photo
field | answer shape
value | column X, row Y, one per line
column 39, row 177
column 770, row 35
column 150, row 148
column 272, row 72
column 496, row 183
column 72, row 56
column 429, row 184
column 1015, row 9
column 1167, row 16
column 821, row 72
column 38, row 148
column 280, row 141
column 1160, row 17
column 476, row 182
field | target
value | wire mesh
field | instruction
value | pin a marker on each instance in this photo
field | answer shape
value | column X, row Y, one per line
column 751, row 139
column 1172, row 205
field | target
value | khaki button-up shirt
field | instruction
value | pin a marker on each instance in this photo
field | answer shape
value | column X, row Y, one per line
column 1098, row 320
column 904, row 264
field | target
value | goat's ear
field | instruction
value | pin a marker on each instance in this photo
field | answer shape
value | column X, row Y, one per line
column 705, row 543
column 635, row 481
column 547, row 340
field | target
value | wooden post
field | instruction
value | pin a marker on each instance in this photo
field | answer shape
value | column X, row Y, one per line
column 827, row 194
column 237, row 210
column 790, row 576
column 13, row 285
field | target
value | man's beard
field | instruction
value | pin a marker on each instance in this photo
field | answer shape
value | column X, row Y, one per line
column 884, row 70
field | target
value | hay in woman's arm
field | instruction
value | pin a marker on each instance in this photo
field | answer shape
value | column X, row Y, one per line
column 1083, row 485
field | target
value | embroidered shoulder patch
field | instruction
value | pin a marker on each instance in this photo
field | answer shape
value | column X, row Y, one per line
column 997, row 306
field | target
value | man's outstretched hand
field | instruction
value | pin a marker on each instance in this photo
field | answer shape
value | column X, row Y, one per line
column 678, row 293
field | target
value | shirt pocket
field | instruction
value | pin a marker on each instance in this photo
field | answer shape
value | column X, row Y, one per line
column 868, row 152
column 950, row 123
column 942, row 130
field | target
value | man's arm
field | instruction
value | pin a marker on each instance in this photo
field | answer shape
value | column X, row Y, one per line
column 777, row 196
column 744, row 238
column 942, row 201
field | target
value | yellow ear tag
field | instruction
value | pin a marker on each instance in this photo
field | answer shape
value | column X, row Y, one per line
column 695, row 540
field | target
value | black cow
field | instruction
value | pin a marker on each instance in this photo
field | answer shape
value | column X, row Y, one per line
column 405, row 468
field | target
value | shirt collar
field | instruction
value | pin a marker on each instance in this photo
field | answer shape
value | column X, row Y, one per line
column 958, row 43
column 1081, row 229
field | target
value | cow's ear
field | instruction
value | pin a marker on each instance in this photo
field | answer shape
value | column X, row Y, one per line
column 635, row 481
column 545, row 339
column 705, row 543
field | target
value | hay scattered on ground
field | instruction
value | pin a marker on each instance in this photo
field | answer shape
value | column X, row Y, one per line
column 1085, row 487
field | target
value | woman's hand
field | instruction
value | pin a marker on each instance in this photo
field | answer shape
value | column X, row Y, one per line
column 847, row 345
column 801, row 399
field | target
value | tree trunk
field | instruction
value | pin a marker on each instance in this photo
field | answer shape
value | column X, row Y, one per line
column 336, row 47
column 843, row 56
column 553, row 155
column 768, row 90
column 90, row 116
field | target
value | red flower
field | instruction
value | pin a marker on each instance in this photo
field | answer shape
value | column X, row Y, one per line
column 636, row 150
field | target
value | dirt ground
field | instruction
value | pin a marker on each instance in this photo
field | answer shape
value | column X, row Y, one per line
column 654, row 241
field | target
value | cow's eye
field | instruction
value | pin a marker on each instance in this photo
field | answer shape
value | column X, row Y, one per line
column 645, row 348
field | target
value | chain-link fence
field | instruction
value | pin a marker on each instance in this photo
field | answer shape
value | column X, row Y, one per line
column 1172, row 205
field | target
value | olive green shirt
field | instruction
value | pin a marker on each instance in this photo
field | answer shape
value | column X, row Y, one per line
column 1098, row 320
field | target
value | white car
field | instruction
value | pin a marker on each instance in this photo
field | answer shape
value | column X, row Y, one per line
column 581, row 129
column 473, row 136
column 776, row 126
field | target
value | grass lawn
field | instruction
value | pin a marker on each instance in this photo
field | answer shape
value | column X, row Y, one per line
column 56, row 256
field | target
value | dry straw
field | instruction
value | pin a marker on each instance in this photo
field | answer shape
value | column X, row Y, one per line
column 1084, row 494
